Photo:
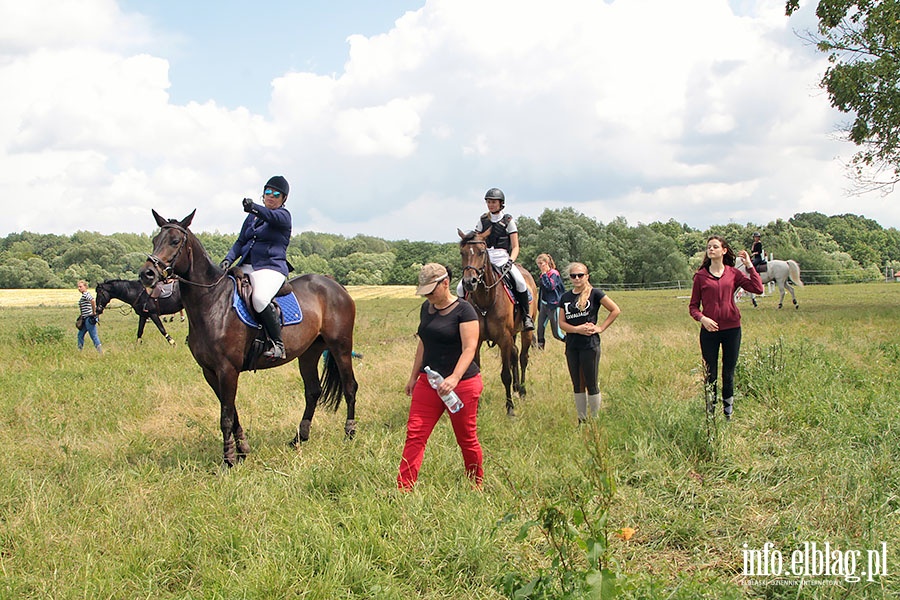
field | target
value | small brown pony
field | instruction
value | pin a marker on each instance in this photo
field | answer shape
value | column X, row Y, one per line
column 498, row 318
column 220, row 342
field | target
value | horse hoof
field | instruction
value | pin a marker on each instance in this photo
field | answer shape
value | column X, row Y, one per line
column 510, row 411
column 350, row 429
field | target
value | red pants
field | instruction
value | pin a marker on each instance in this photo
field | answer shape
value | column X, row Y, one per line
column 425, row 410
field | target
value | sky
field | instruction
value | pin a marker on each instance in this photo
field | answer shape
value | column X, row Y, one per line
column 392, row 118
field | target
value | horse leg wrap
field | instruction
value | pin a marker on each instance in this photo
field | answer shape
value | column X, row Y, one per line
column 303, row 430
column 229, row 456
column 350, row 428
column 243, row 447
column 593, row 401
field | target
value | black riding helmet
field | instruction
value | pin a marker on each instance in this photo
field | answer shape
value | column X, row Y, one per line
column 496, row 194
column 280, row 184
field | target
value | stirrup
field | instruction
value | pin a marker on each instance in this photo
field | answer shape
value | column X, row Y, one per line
column 527, row 323
column 276, row 351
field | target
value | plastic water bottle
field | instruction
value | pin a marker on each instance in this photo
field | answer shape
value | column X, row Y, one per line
column 451, row 400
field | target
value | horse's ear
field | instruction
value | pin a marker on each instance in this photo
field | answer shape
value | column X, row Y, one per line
column 483, row 235
column 159, row 220
column 186, row 222
column 462, row 234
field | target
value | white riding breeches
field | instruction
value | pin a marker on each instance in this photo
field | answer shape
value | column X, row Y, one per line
column 266, row 283
column 499, row 257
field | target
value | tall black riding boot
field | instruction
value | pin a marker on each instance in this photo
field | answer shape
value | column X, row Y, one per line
column 522, row 301
column 269, row 318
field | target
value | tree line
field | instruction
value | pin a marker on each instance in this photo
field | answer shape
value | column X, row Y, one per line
column 830, row 249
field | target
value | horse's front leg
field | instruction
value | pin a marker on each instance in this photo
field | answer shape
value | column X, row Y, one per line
column 234, row 443
column 142, row 321
column 162, row 329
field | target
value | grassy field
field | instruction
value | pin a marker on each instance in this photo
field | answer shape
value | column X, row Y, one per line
column 111, row 484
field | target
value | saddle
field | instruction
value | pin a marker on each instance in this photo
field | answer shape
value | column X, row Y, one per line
column 245, row 288
column 166, row 289
column 761, row 267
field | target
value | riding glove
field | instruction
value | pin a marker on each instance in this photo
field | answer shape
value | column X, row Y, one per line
column 249, row 207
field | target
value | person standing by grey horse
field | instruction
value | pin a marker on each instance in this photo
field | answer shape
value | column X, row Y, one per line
column 87, row 310
column 262, row 248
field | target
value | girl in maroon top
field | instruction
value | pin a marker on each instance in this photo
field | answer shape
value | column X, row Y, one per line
column 712, row 304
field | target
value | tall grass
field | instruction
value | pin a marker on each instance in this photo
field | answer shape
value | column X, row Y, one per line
column 110, row 485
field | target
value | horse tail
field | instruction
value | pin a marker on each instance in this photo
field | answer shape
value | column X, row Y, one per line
column 330, row 383
column 794, row 272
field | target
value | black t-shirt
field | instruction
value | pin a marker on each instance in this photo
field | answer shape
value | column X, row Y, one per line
column 575, row 316
column 440, row 337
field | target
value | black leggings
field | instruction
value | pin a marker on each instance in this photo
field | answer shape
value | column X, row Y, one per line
column 583, row 369
column 730, row 340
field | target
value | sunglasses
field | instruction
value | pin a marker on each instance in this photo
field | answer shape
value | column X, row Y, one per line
column 270, row 192
column 576, row 275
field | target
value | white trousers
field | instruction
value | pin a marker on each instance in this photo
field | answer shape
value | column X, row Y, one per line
column 266, row 283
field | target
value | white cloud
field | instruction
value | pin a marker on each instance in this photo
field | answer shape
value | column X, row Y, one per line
column 701, row 111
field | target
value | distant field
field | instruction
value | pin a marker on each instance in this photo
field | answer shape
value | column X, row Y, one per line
column 47, row 298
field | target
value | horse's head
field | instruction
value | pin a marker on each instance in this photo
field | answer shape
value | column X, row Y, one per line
column 102, row 296
column 168, row 256
column 473, row 251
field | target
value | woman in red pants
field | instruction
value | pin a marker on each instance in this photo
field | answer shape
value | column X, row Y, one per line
column 448, row 337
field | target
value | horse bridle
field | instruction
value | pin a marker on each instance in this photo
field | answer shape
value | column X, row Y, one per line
column 167, row 271
column 480, row 271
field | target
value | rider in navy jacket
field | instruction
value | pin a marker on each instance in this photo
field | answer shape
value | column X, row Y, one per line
column 264, row 239
column 262, row 249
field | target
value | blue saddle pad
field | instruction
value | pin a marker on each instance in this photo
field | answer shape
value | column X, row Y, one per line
column 290, row 309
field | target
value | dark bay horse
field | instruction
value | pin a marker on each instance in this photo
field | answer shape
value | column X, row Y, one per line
column 220, row 342
column 498, row 318
column 132, row 292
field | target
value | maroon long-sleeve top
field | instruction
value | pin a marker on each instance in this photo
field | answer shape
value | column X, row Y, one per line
column 713, row 297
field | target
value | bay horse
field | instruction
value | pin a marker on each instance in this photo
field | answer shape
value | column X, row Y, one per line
column 220, row 341
column 498, row 318
column 782, row 272
column 132, row 292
